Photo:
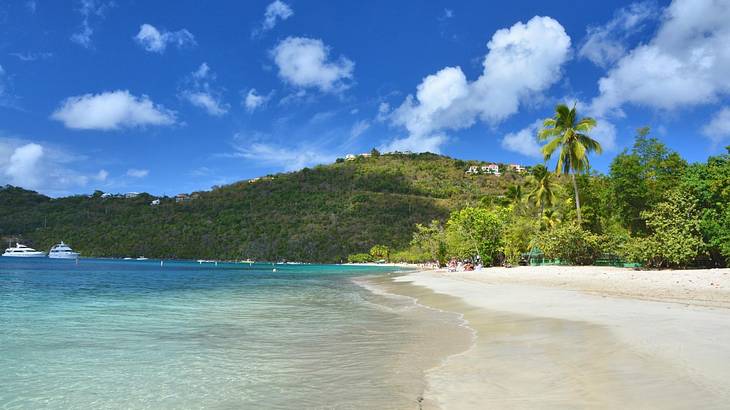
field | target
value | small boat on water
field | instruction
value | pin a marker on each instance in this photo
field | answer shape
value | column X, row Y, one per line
column 141, row 258
column 62, row 251
column 22, row 251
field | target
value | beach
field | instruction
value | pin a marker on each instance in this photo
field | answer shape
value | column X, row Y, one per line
column 580, row 337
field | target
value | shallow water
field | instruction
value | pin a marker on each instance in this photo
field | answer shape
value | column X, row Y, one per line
column 132, row 334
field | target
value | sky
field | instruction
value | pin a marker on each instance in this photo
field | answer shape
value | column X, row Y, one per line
column 141, row 96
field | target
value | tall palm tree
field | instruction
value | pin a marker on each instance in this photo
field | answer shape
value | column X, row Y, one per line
column 567, row 132
column 542, row 188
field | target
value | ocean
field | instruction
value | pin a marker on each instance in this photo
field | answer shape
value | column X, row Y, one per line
column 134, row 334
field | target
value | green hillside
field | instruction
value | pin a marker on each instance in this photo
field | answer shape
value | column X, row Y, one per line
column 316, row 214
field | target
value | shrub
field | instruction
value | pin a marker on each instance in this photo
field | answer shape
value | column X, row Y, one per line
column 570, row 243
column 359, row 258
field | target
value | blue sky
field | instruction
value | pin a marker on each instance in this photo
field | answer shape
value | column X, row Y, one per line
column 141, row 96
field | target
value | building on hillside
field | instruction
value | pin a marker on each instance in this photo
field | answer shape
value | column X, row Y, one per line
column 252, row 180
column 131, row 194
column 182, row 198
column 517, row 168
column 491, row 169
column 473, row 170
column 155, row 202
column 365, row 155
column 106, row 195
column 350, row 157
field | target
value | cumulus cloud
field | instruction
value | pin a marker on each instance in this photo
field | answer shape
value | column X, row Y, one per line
column 32, row 165
column 275, row 12
column 684, row 64
column 524, row 141
column 90, row 10
column 523, row 61
column 137, row 173
column 287, row 157
column 718, row 129
column 156, row 41
column 110, row 111
column 304, row 62
column 254, row 100
column 604, row 45
column 199, row 92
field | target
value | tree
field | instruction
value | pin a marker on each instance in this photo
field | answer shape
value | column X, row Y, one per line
column 432, row 240
column 675, row 238
column 476, row 231
column 380, row 252
column 542, row 189
column 565, row 132
column 641, row 178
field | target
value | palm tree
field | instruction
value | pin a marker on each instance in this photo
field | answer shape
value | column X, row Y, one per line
column 515, row 194
column 542, row 188
column 566, row 132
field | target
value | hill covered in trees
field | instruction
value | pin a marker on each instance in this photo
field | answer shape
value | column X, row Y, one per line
column 320, row 214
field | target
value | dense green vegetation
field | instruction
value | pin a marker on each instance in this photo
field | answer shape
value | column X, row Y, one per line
column 320, row 214
column 652, row 208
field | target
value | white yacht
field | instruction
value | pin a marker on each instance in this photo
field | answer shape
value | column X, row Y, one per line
column 62, row 251
column 22, row 251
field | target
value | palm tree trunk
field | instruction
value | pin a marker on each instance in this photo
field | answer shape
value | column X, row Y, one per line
column 577, row 199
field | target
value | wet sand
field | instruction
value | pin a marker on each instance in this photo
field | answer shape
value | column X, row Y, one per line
column 570, row 343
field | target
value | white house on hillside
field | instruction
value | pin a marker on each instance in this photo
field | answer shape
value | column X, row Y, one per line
column 517, row 168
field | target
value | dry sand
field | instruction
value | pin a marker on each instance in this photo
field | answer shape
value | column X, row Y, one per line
column 582, row 337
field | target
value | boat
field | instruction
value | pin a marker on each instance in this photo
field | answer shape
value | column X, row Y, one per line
column 62, row 251
column 141, row 258
column 22, row 251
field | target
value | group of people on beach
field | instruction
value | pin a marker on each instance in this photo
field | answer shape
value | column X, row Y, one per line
column 465, row 265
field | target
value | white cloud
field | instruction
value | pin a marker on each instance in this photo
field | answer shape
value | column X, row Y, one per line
column 289, row 158
column 359, row 128
column 685, row 64
column 276, row 11
column 304, row 62
column 211, row 104
column 40, row 167
column 522, row 62
column 421, row 143
column 111, row 111
column 524, row 141
column 32, row 56
column 155, row 41
column 201, row 94
column 102, row 175
column 137, row 173
column 89, row 10
column 22, row 165
column 718, row 128
column 383, row 112
column 605, row 44
column 255, row 100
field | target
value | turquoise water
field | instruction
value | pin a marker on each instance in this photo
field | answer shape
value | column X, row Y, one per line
column 132, row 334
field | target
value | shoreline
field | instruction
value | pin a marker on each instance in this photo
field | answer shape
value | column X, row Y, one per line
column 580, row 337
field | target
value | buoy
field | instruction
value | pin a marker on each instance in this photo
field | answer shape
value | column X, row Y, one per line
column 274, row 270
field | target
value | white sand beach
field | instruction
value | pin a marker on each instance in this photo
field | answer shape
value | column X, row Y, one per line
column 582, row 337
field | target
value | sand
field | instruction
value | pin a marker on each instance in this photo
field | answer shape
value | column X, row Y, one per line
column 581, row 337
